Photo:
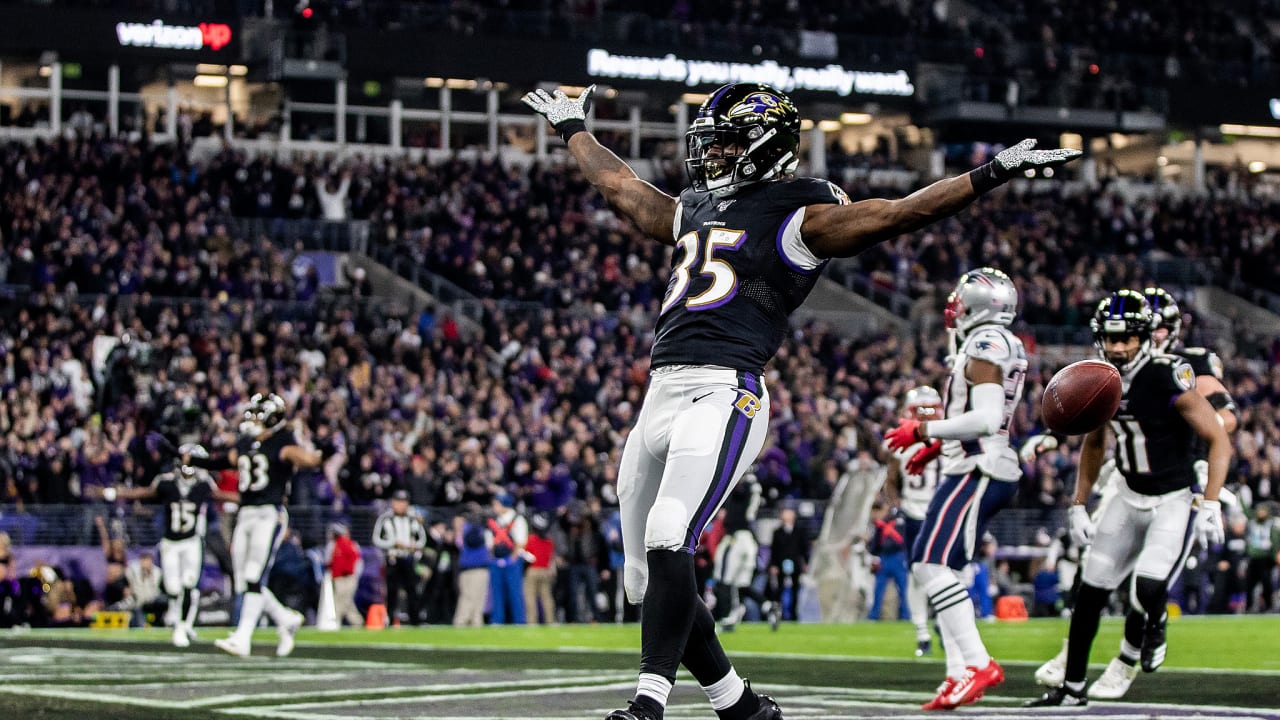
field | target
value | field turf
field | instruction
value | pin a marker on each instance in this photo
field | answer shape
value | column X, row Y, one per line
column 1226, row 667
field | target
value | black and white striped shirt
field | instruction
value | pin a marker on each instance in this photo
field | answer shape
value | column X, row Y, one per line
column 399, row 535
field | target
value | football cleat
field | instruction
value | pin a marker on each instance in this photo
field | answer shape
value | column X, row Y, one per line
column 287, row 631
column 1054, row 673
column 769, row 709
column 975, row 682
column 635, row 711
column 1060, row 696
column 180, row 638
column 775, row 615
column 924, row 647
column 1153, row 644
column 233, row 645
column 939, row 701
column 1114, row 682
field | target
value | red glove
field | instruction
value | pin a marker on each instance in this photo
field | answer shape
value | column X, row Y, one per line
column 923, row 456
column 905, row 435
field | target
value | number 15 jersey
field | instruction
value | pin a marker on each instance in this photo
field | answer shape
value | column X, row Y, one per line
column 741, row 270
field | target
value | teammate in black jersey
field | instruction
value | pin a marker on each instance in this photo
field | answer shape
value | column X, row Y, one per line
column 1141, row 530
column 750, row 241
column 266, row 457
column 185, row 494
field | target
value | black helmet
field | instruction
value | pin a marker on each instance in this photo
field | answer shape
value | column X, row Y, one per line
column 1168, row 316
column 760, row 122
column 1122, row 315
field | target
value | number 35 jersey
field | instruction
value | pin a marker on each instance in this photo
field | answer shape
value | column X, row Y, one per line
column 741, row 270
column 184, row 504
column 1155, row 447
column 264, row 475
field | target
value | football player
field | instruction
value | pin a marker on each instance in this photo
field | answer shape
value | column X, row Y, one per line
column 265, row 457
column 750, row 241
column 1140, row 531
column 1207, row 368
column 185, row 495
column 911, row 488
column 980, row 471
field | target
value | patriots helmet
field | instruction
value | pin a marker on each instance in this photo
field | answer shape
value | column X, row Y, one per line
column 743, row 133
column 982, row 297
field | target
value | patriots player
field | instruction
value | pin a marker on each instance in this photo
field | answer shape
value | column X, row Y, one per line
column 750, row 241
column 1207, row 368
column 980, row 472
column 185, row 495
column 266, row 457
column 1141, row 530
column 911, row 487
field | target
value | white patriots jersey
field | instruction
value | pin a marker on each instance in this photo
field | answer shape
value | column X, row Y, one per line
column 916, row 490
column 991, row 454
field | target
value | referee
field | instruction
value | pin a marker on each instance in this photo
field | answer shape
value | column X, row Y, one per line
column 401, row 536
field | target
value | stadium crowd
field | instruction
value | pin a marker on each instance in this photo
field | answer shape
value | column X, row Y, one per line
column 130, row 307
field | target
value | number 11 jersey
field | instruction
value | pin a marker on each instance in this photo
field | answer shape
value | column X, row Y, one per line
column 741, row 270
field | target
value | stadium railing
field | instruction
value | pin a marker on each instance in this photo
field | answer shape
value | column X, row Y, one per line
column 143, row 523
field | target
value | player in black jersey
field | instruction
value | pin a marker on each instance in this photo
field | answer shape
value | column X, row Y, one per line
column 185, row 494
column 266, row 457
column 751, row 240
column 1207, row 367
column 1141, row 530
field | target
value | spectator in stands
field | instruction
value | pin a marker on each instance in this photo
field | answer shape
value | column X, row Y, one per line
column 345, row 566
column 440, row 559
column 889, row 549
column 540, row 576
column 510, row 534
column 474, row 555
column 149, row 600
column 12, row 598
column 1263, row 548
column 1229, row 561
column 788, row 560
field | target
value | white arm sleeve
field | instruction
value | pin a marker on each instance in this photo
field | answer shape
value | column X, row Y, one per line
column 983, row 420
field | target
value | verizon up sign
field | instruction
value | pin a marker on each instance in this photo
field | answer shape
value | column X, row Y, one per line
column 669, row 68
column 156, row 34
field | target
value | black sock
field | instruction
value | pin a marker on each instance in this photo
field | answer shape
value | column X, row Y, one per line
column 186, row 606
column 1084, row 627
column 1133, row 623
column 669, row 606
column 746, row 706
column 653, row 706
column 705, row 659
column 1152, row 594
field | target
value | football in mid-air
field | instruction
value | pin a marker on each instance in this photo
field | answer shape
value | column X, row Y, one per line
column 1081, row 397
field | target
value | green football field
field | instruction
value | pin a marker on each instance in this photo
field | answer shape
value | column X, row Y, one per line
column 1222, row 667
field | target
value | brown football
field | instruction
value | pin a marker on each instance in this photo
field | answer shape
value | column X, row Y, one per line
column 1081, row 397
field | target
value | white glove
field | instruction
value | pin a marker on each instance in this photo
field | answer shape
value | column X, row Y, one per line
column 1011, row 161
column 1035, row 445
column 1081, row 525
column 565, row 115
column 1209, row 529
column 1201, row 468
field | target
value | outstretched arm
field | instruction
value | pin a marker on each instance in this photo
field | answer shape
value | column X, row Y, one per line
column 652, row 210
column 846, row 230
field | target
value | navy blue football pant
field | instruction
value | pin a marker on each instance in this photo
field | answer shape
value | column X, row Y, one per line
column 893, row 568
column 506, row 589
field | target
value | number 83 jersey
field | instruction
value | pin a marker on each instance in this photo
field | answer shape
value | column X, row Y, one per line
column 264, row 475
column 741, row 270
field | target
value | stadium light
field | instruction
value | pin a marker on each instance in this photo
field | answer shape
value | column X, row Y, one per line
column 1251, row 130
column 210, row 81
column 694, row 98
column 830, row 126
column 239, row 70
column 1257, row 166
column 855, row 118
column 211, row 69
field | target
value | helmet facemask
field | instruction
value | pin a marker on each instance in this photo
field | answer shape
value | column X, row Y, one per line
column 743, row 134
column 1125, row 314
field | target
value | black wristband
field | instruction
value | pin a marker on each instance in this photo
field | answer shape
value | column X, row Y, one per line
column 569, row 128
column 984, row 178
